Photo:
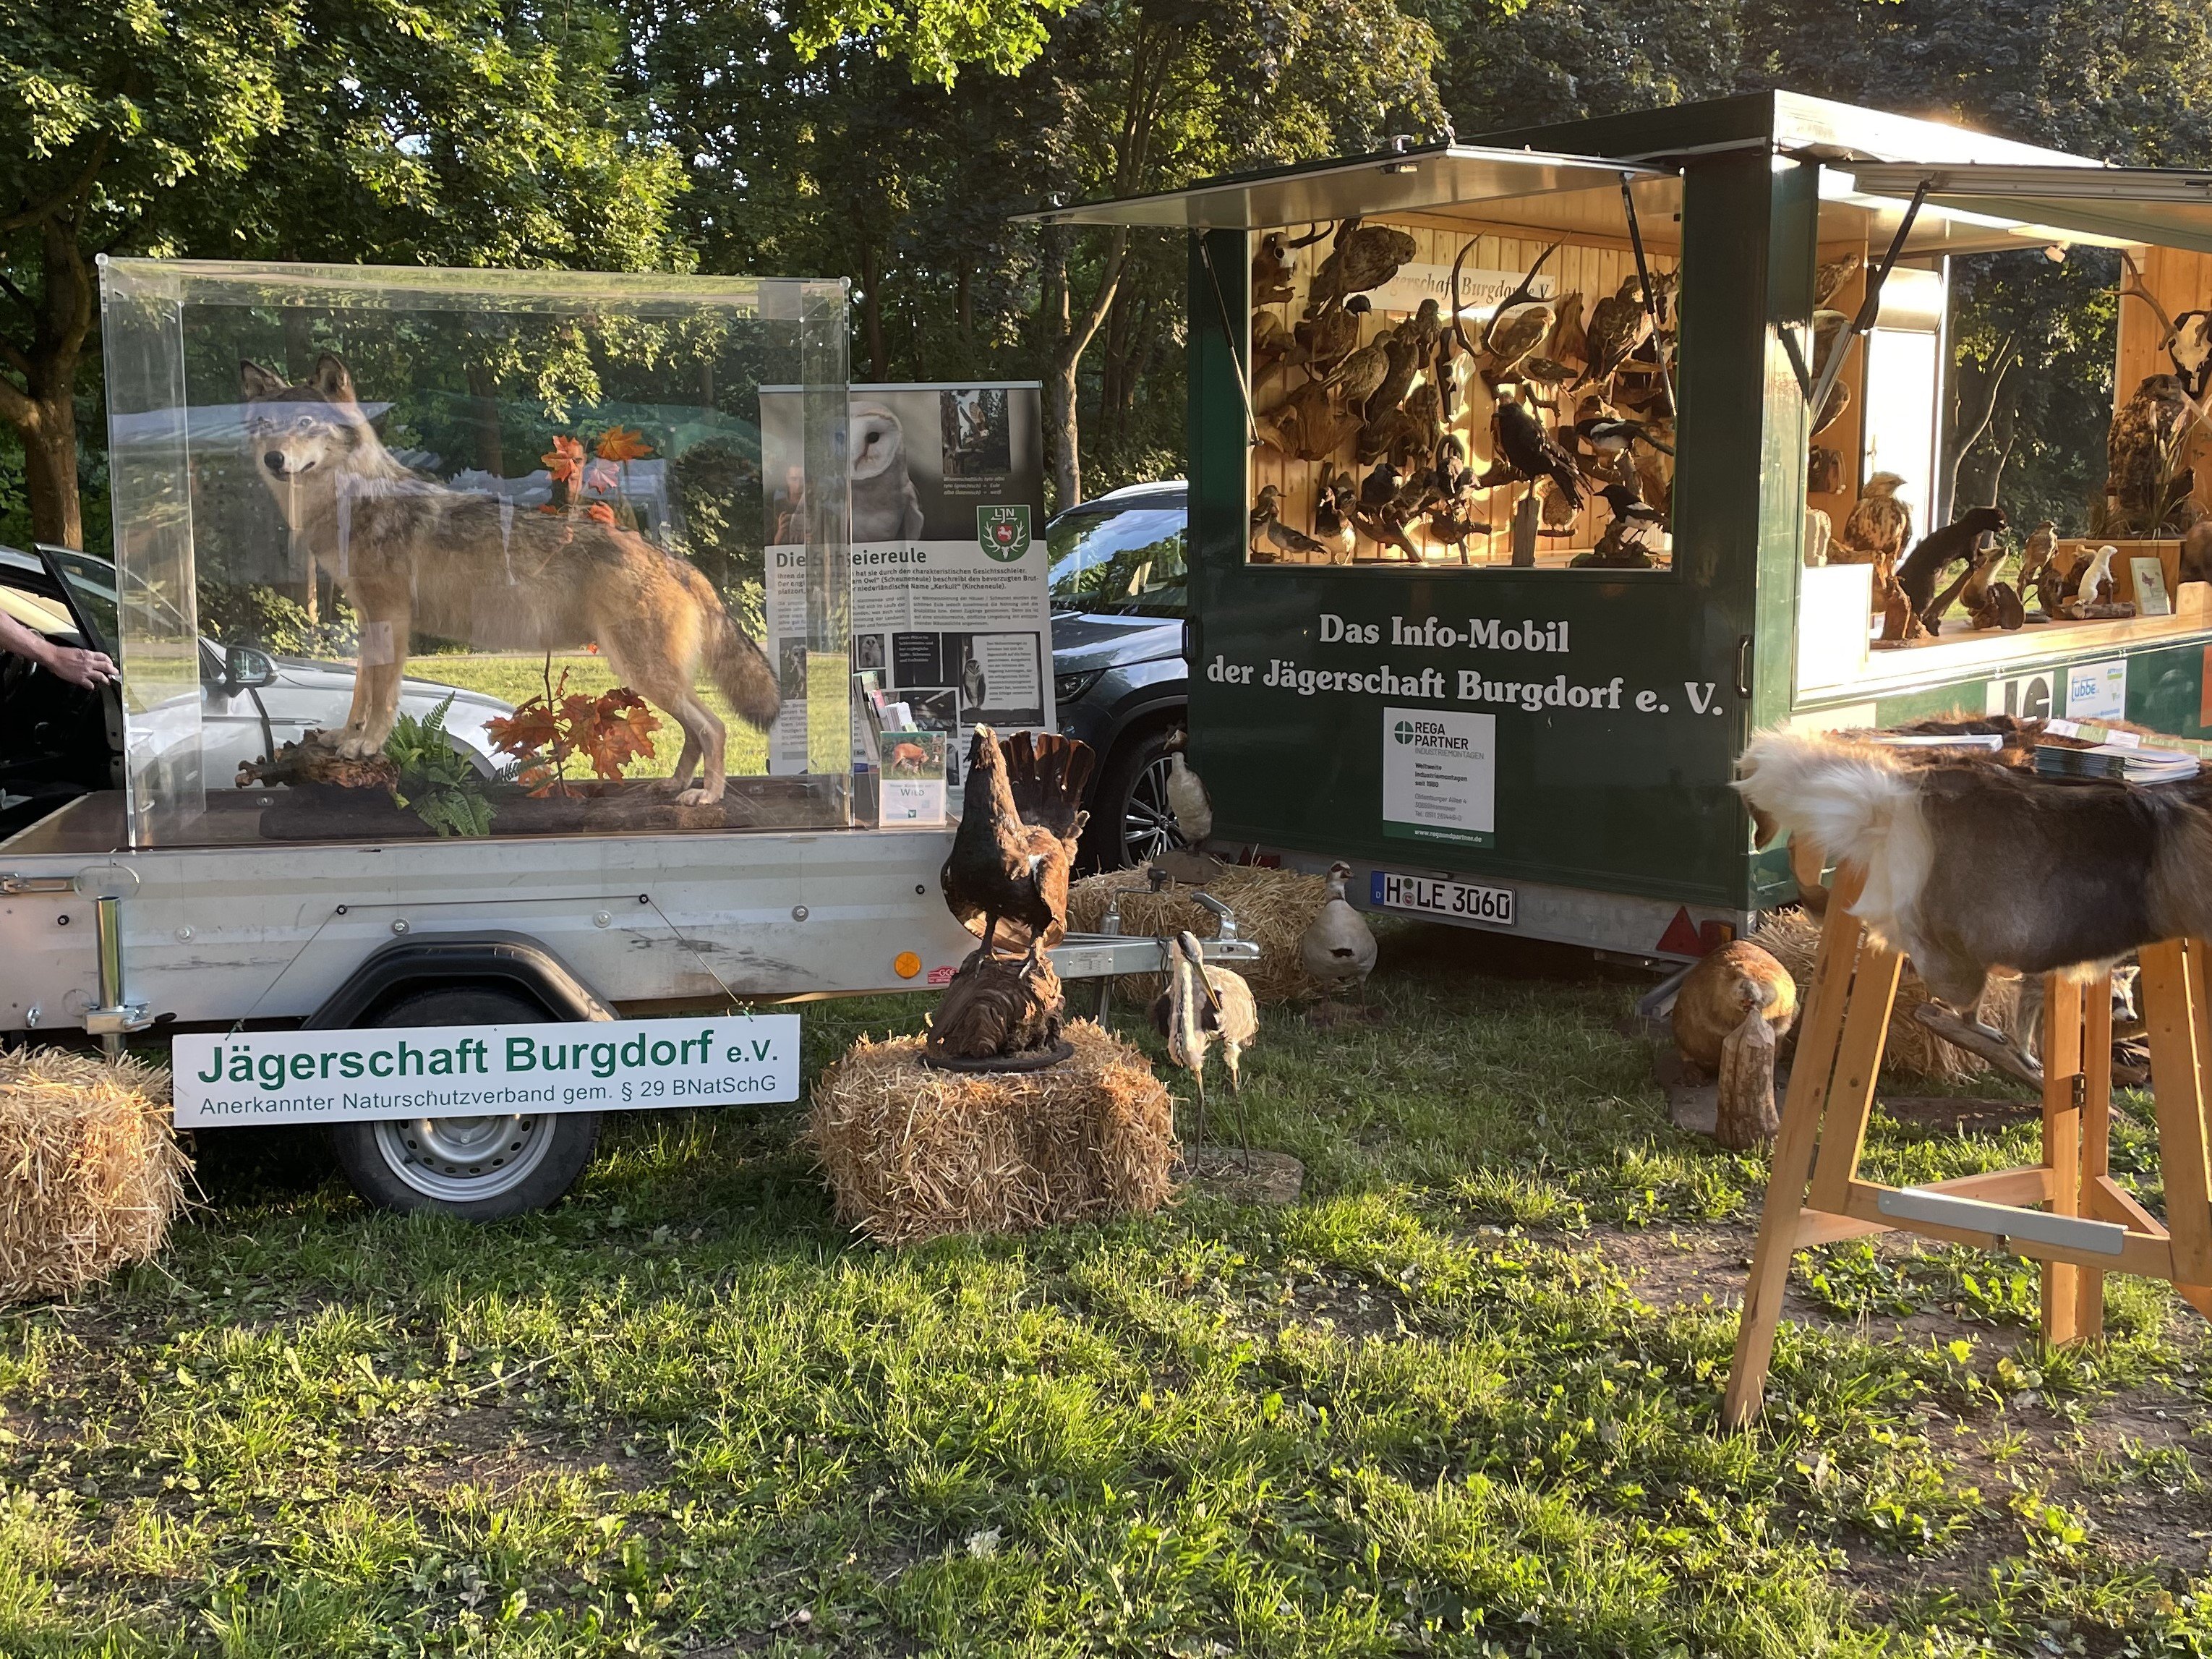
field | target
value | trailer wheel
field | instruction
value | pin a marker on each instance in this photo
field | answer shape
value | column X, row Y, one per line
column 475, row 1168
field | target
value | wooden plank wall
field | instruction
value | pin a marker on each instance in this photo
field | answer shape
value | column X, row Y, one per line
column 1591, row 264
column 1846, row 437
column 2182, row 279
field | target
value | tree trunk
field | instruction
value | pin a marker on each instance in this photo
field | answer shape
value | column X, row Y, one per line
column 42, row 410
column 872, row 313
column 49, row 442
column 1071, row 335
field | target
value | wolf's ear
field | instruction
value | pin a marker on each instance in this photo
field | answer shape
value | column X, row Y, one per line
column 258, row 382
column 333, row 378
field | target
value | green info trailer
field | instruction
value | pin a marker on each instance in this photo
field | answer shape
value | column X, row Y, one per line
column 1516, row 705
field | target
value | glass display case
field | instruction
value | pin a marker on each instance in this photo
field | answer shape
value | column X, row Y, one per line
column 423, row 552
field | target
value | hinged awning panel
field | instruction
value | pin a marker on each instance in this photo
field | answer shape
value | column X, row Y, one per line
column 2163, row 205
column 1438, row 178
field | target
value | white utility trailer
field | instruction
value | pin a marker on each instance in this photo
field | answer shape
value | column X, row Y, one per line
column 153, row 899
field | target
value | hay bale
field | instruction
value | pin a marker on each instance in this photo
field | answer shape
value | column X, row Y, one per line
column 913, row 1153
column 1273, row 908
column 1911, row 1048
column 90, row 1173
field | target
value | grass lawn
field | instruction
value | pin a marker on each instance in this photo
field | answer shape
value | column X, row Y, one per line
column 1460, row 1399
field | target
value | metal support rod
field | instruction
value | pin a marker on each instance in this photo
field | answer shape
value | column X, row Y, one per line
column 1651, row 295
column 1236, row 361
column 109, row 926
column 1870, row 307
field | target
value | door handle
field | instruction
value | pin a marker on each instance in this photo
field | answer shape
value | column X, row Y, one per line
column 1743, row 666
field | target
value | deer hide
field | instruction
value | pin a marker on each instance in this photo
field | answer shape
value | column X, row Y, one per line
column 1971, row 864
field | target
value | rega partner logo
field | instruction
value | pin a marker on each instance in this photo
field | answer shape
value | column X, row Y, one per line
column 1430, row 735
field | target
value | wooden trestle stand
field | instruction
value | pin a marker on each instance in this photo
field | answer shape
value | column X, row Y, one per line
column 2089, row 1225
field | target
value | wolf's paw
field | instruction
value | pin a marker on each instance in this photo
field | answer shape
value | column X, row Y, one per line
column 355, row 745
column 701, row 796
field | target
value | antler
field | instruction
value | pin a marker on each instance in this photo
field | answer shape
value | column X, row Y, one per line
column 1517, row 297
column 1309, row 241
column 2133, row 287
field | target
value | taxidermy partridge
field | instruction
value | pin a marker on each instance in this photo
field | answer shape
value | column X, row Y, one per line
column 1337, row 948
column 1730, row 1013
column 1021, row 816
column 1204, row 1005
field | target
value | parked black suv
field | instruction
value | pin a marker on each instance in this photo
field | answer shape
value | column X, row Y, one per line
column 1118, row 577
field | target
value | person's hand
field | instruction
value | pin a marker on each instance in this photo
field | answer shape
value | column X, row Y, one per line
column 85, row 668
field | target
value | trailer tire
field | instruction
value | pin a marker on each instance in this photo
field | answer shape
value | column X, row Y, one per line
column 481, row 1169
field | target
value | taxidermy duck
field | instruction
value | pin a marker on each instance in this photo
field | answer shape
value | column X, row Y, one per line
column 1321, row 338
column 1021, row 817
column 1338, row 947
column 1204, row 1005
column 1188, row 802
column 1272, row 537
column 1729, row 1014
column 1332, row 516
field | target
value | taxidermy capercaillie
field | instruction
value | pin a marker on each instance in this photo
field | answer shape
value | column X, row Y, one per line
column 1021, row 817
column 1730, row 1013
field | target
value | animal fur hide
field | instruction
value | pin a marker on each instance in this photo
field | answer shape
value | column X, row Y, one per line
column 1972, row 864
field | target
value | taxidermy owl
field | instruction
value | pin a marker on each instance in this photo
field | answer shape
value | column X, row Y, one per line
column 885, row 508
column 2142, row 453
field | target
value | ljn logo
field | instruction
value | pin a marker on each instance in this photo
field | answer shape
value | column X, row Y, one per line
column 1403, row 731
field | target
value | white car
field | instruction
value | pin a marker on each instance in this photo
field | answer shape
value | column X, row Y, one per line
column 57, row 741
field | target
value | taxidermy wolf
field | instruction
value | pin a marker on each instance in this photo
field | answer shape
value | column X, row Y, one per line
column 412, row 552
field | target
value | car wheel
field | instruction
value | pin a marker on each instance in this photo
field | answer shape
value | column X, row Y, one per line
column 1131, row 808
column 474, row 1169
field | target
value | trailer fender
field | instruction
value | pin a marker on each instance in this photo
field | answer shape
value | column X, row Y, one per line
column 514, row 960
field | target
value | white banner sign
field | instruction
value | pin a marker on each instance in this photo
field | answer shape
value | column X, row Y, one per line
column 231, row 1078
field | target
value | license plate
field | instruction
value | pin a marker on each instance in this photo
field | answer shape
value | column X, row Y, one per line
column 1492, row 906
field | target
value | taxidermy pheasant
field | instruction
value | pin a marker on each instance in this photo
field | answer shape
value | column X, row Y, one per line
column 1021, row 817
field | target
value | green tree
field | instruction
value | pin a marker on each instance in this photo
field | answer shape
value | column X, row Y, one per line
column 110, row 114
column 463, row 132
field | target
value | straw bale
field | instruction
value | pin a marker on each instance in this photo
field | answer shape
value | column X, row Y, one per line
column 1274, row 907
column 1911, row 1049
column 90, row 1173
column 913, row 1153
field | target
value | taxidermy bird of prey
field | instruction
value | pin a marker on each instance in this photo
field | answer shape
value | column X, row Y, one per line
column 1832, row 274
column 1021, row 816
column 1879, row 524
column 1531, row 451
column 2140, row 454
column 1617, row 325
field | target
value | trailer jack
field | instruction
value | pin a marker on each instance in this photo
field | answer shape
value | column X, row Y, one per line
column 116, row 1015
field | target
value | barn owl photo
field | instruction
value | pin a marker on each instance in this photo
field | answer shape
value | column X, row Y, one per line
column 886, row 507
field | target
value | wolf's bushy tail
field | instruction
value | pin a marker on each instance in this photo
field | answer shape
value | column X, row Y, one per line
column 1845, row 799
column 742, row 670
